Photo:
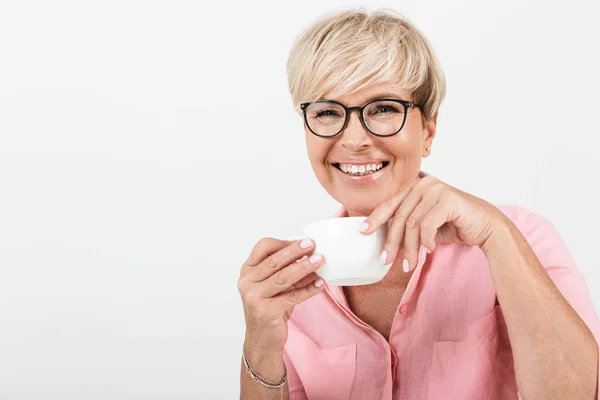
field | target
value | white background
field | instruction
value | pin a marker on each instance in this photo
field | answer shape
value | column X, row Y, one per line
column 145, row 146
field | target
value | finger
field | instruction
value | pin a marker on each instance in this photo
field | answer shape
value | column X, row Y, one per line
column 285, row 301
column 395, row 233
column 310, row 278
column 395, row 236
column 412, row 235
column 288, row 276
column 264, row 248
column 440, row 214
column 384, row 212
column 282, row 258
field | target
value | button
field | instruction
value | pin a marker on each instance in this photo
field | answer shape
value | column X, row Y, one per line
column 403, row 309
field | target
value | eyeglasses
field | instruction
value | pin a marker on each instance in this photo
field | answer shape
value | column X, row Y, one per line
column 381, row 117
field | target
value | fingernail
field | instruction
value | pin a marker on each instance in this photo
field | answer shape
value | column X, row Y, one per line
column 383, row 257
column 319, row 282
column 364, row 227
column 305, row 244
column 315, row 258
column 405, row 265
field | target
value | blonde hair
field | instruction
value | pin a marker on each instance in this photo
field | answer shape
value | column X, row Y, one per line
column 348, row 50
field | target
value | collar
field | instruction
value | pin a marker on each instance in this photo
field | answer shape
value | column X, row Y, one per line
column 338, row 294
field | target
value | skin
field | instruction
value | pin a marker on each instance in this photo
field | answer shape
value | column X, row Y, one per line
column 403, row 151
column 555, row 363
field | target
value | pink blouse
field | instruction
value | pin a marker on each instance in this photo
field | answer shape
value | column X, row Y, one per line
column 448, row 338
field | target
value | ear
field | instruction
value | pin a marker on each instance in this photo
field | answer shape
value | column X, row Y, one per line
column 428, row 134
column 429, row 130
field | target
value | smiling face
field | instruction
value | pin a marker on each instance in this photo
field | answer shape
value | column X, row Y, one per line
column 353, row 57
column 361, row 170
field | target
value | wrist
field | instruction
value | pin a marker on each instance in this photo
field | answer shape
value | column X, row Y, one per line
column 258, row 356
column 499, row 237
column 268, row 363
column 257, row 345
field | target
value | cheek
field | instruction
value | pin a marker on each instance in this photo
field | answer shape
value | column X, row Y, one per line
column 401, row 149
column 317, row 149
column 410, row 144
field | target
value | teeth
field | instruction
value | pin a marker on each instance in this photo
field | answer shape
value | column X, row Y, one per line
column 362, row 169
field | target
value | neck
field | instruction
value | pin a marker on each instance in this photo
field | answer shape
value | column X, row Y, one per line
column 396, row 276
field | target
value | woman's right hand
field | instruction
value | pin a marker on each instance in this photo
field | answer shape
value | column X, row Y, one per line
column 275, row 277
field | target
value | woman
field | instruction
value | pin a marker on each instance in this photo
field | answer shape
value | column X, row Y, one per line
column 481, row 302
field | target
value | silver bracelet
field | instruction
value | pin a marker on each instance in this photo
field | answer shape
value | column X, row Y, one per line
column 260, row 379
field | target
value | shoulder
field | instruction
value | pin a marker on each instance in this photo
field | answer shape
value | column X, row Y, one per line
column 541, row 234
column 516, row 213
column 528, row 221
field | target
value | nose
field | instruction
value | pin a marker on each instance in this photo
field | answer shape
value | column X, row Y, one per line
column 355, row 137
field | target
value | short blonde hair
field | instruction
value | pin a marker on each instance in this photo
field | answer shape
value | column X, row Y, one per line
column 347, row 50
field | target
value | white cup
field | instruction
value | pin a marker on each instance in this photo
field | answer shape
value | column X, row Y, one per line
column 351, row 257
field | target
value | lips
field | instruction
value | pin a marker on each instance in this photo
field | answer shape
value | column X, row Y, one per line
column 360, row 169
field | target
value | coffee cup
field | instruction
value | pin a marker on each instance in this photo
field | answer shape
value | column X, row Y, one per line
column 351, row 257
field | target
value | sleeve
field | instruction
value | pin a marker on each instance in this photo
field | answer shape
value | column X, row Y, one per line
column 294, row 384
column 560, row 266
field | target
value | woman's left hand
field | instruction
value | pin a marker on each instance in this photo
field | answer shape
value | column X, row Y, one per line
column 431, row 212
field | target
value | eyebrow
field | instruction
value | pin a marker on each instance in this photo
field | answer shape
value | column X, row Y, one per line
column 378, row 96
column 383, row 96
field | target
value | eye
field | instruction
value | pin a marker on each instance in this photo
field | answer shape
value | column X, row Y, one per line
column 327, row 113
column 384, row 109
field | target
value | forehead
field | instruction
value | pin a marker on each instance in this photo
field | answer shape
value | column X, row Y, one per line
column 366, row 94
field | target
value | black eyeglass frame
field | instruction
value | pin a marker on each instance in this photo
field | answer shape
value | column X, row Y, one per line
column 405, row 103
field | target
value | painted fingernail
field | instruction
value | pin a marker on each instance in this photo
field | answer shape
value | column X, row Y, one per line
column 315, row 258
column 383, row 257
column 305, row 244
column 405, row 265
column 319, row 282
column 364, row 227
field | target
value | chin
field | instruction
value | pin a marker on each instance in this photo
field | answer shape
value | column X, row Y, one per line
column 361, row 205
